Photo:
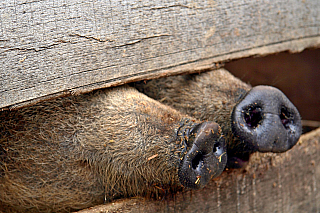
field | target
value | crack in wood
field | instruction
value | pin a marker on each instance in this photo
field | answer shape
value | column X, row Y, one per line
column 169, row 6
column 176, row 5
column 141, row 39
column 37, row 49
column 91, row 38
column 135, row 41
column 30, row 2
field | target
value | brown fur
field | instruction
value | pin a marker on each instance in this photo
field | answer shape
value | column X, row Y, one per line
column 208, row 96
column 75, row 152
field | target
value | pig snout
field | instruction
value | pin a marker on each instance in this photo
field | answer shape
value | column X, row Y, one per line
column 205, row 158
column 266, row 120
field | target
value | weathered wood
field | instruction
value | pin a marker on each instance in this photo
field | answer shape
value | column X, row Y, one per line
column 51, row 48
column 286, row 182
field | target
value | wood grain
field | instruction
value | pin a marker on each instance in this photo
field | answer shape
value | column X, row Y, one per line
column 50, row 48
column 287, row 182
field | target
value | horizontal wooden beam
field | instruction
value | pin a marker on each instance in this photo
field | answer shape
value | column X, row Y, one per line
column 52, row 48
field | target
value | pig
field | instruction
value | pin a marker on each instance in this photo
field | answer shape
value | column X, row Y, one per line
column 74, row 152
column 253, row 119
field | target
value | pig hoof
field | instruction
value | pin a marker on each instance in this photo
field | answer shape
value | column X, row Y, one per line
column 206, row 157
column 266, row 120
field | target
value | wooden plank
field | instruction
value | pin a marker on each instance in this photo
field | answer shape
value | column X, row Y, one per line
column 287, row 182
column 50, row 48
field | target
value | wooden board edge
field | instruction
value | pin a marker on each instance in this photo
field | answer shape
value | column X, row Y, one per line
column 293, row 46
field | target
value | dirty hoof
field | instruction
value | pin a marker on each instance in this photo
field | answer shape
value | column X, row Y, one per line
column 266, row 120
column 206, row 157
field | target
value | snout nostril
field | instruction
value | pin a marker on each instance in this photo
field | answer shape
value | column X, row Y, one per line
column 253, row 116
column 197, row 161
column 285, row 117
column 216, row 147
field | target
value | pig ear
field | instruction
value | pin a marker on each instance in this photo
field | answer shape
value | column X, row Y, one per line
column 205, row 159
column 266, row 120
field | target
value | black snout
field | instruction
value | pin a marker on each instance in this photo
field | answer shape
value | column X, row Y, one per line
column 206, row 157
column 266, row 120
